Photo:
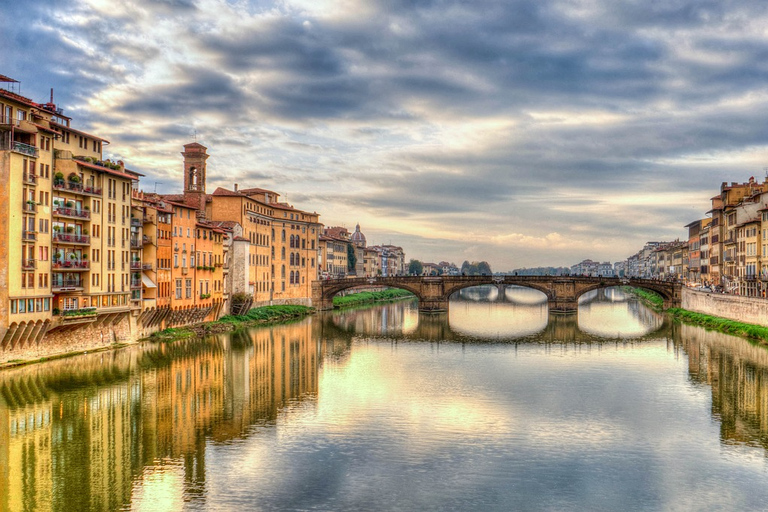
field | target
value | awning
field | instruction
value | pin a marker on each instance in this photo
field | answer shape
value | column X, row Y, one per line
column 147, row 282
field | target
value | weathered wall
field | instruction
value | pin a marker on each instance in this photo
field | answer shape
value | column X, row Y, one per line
column 743, row 309
column 75, row 339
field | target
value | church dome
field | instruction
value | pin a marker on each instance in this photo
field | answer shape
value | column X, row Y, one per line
column 358, row 238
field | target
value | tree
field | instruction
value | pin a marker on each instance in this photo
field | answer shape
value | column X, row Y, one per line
column 465, row 269
column 415, row 267
column 484, row 269
column 351, row 257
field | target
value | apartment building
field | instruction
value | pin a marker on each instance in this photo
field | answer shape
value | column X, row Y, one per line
column 65, row 218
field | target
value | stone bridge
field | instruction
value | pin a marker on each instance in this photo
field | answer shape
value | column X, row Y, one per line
column 562, row 292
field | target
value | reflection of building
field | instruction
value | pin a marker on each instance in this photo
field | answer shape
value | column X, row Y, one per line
column 75, row 436
column 738, row 375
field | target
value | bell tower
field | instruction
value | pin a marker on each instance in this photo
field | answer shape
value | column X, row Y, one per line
column 194, row 176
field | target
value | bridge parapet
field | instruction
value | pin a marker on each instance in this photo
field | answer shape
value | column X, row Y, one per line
column 562, row 292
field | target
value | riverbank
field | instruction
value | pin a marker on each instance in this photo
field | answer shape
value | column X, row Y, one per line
column 264, row 315
column 363, row 298
column 720, row 324
column 651, row 299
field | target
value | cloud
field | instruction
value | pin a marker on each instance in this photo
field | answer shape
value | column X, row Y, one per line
column 457, row 127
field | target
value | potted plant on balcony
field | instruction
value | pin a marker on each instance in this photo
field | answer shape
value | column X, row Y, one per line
column 70, row 229
column 74, row 178
column 85, row 231
column 70, row 204
column 58, row 178
column 87, row 208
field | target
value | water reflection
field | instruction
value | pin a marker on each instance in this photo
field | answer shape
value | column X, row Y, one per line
column 99, row 431
column 611, row 312
column 323, row 411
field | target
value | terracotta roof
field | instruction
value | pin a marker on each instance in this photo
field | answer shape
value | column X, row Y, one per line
column 65, row 127
column 175, row 198
column 241, row 239
column 257, row 190
column 131, row 175
column 224, row 192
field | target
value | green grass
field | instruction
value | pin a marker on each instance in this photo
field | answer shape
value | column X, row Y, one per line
column 649, row 297
column 356, row 299
column 720, row 324
column 267, row 314
column 256, row 316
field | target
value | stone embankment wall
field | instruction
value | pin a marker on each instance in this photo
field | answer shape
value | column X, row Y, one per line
column 751, row 310
column 77, row 339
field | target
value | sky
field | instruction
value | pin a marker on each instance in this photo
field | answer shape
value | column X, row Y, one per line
column 520, row 132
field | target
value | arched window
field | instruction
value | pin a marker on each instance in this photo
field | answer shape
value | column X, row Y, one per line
column 283, row 235
column 291, row 259
column 282, row 254
column 291, row 279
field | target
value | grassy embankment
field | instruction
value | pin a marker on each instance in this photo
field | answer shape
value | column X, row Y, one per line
column 358, row 299
column 652, row 299
column 715, row 323
column 256, row 316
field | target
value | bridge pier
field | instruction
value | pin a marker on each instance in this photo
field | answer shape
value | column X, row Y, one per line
column 433, row 305
column 563, row 306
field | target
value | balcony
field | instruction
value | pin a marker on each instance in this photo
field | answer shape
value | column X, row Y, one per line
column 28, row 236
column 135, row 283
column 146, row 240
column 77, row 188
column 71, row 238
column 20, row 147
column 135, row 265
column 67, row 285
column 30, row 207
column 29, row 178
column 81, row 315
column 8, row 121
column 136, row 222
column 70, row 266
column 63, row 211
column 135, row 243
column 28, row 264
column 147, row 266
column 184, row 270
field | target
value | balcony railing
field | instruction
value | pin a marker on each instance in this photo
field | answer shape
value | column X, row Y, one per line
column 64, row 211
column 20, row 147
column 28, row 264
column 71, row 265
column 146, row 239
column 71, row 238
column 136, row 222
column 135, row 243
column 30, row 207
column 8, row 121
column 78, row 188
column 29, row 178
column 135, row 265
column 28, row 236
column 66, row 283
column 146, row 266
column 135, row 283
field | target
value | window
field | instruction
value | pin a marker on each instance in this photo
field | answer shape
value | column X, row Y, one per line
column 178, row 288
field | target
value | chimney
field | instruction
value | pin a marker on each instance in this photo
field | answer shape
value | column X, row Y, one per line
column 235, row 187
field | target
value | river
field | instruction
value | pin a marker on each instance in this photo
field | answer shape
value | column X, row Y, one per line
column 494, row 406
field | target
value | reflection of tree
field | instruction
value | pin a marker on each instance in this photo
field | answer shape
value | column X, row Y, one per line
column 737, row 373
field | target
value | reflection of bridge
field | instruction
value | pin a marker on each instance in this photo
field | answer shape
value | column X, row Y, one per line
column 433, row 292
column 560, row 329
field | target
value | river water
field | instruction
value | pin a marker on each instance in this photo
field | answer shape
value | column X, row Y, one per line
column 494, row 406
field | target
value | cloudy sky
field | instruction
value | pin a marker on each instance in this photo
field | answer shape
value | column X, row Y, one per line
column 521, row 132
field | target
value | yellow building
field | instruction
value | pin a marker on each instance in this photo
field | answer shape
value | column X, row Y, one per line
column 65, row 223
